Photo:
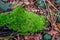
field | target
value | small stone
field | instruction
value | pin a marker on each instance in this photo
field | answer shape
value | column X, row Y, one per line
column 4, row 6
column 5, row 0
column 57, row 1
column 47, row 37
column 41, row 4
column 58, row 19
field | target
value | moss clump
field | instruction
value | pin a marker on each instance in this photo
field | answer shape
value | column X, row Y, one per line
column 24, row 21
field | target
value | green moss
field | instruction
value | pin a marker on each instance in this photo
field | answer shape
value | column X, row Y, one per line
column 24, row 21
column 3, row 17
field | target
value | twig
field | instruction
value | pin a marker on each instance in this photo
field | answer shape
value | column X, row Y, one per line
column 52, row 5
column 53, row 37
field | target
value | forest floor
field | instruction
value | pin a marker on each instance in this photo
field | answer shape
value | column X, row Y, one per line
column 51, row 12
